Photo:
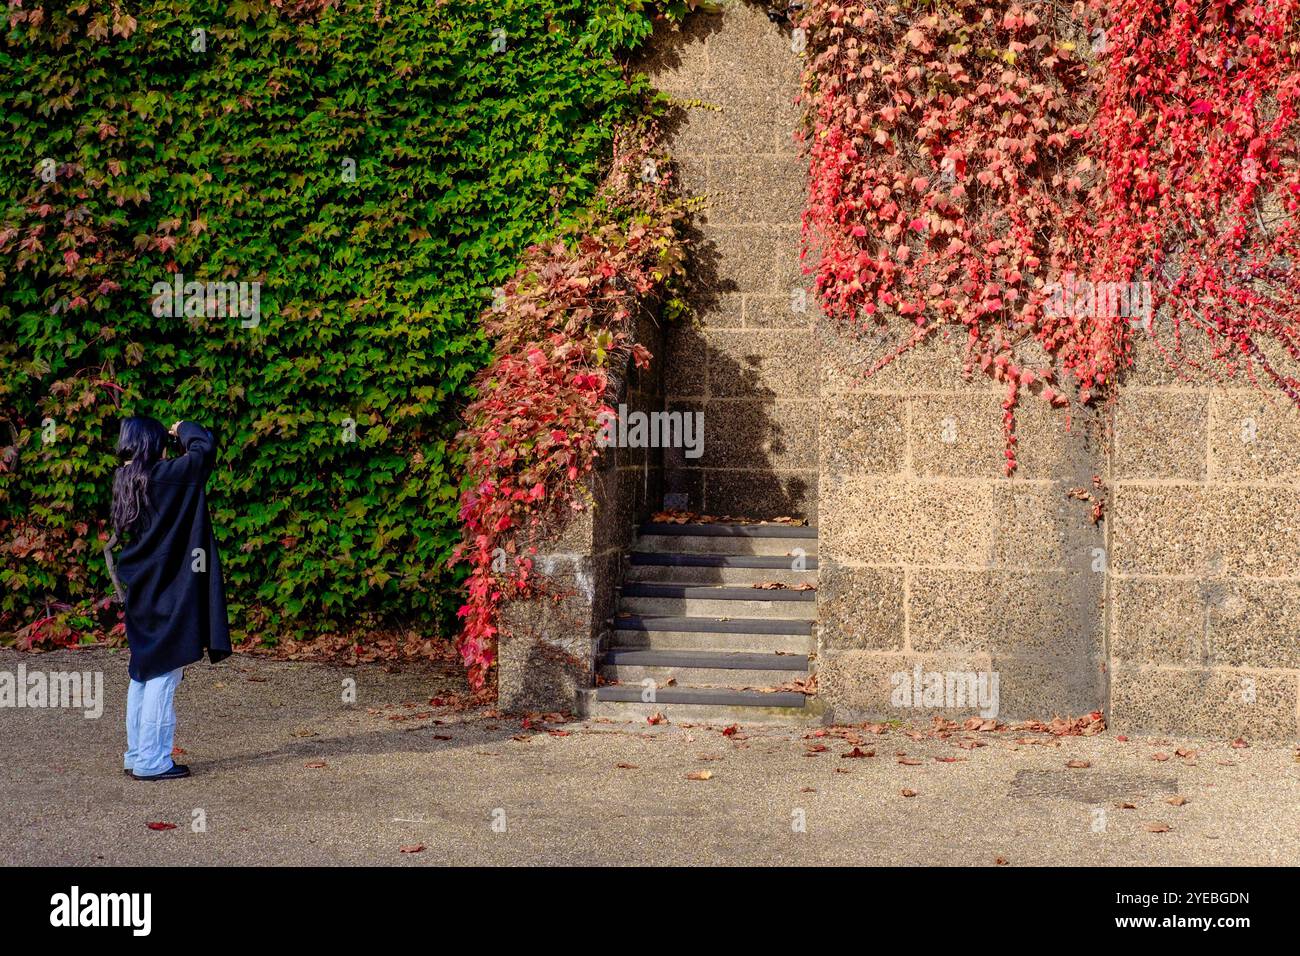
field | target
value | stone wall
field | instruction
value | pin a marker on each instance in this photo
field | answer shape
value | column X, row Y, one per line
column 1178, row 612
column 1205, row 555
column 747, row 359
column 548, row 645
column 931, row 557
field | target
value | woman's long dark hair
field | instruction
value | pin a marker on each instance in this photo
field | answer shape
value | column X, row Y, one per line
column 140, row 443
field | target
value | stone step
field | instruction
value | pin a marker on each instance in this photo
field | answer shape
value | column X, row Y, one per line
column 717, row 569
column 765, row 635
column 703, row 600
column 697, row 668
column 715, row 696
column 699, row 712
column 763, row 539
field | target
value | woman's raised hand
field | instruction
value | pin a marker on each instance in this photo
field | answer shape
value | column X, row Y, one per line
column 175, row 425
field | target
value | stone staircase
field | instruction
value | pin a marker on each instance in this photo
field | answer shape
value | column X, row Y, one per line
column 691, row 621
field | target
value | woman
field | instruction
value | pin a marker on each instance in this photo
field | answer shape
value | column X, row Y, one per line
column 175, row 600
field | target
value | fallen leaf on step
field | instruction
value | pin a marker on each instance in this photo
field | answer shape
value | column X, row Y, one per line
column 159, row 825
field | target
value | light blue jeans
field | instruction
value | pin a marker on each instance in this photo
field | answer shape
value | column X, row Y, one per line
column 151, row 723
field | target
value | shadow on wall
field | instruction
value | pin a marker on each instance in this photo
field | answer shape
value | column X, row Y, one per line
column 759, row 454
column 745, row 432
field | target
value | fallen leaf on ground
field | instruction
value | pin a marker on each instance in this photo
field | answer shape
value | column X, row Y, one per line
column 415, row 848
column 159, row 825
column 315, row 764
column 655, row 718
column 1176, row 801
column 1161, row 756
column 1156, row 826
column 908, row 793
column 1001, row 861
column 858, row 752
column 1078, row 764
column 700, row 775
column 627, row 766
column 909, row 762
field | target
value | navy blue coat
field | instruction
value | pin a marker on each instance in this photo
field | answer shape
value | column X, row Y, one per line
column 175, row 598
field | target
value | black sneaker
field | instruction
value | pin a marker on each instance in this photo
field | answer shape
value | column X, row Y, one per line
column 177, row 771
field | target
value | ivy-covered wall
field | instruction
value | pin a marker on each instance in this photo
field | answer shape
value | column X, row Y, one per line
column 370, row 173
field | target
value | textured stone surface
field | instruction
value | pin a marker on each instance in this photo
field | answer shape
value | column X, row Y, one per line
column 862, row 435
column 759, row 435
column 860, row 685
column 1018, row 613
column 1159, row 621
column 1041, row 525
column 1066, row 684
column 870, row 520
column 1254, row 436
column 1158, row 529
column 1254, row 531
column 1220, row 703
column 748, row 362
column 860, row 608
column 1161, row 434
